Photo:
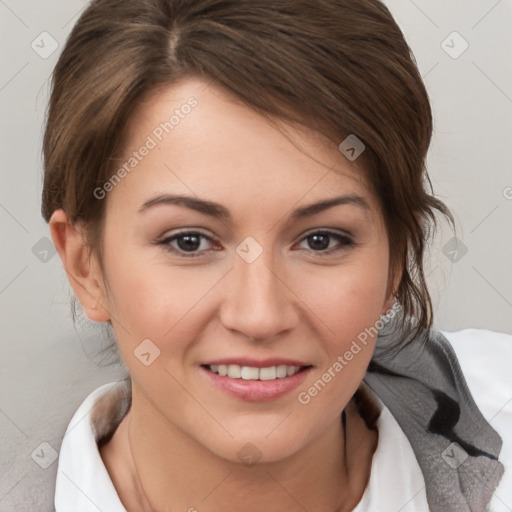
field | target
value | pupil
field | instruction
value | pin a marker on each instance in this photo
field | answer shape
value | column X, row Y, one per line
column 319, row 241
column 188, row 242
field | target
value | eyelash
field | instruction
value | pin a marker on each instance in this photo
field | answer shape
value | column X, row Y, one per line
column 346, row 242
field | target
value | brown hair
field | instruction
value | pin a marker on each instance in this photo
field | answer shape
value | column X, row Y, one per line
column 338, row 66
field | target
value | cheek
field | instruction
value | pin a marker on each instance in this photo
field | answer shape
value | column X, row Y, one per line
column 153, row 300
column 347, row 351
column 348, row 308
column 348, row 298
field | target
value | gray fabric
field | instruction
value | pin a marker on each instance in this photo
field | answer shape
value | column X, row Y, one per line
column 423, row 386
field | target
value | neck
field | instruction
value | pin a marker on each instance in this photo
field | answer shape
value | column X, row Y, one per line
column 329, row 474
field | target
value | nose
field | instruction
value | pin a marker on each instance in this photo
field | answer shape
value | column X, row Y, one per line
column 258, row 302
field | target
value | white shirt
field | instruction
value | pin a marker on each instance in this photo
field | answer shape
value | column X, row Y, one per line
column 396, row 481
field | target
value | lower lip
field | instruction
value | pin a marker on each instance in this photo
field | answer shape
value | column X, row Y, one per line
column 257, row 390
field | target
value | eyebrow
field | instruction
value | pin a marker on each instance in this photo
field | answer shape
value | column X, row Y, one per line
column 220, row 212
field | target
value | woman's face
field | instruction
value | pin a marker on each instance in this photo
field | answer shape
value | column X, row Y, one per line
column 214, row 255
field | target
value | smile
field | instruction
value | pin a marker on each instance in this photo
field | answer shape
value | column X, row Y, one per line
column 256, row 382
column 236, row 371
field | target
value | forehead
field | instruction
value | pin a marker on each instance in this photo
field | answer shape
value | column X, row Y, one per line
column 201, row 140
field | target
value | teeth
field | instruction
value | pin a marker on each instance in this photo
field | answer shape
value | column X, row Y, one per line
column 268, row 373
column 290, row 370
column 234, row 371
column 281, row 371
column 251, row 373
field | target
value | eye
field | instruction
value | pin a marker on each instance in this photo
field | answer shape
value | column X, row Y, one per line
column 321, row 242
column 187, row 243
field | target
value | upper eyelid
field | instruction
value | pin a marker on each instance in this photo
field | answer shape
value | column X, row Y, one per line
column 186, row 231
column 334, row 231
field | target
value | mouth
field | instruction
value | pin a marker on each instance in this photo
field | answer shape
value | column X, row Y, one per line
column 256, row 381
column 236, row 371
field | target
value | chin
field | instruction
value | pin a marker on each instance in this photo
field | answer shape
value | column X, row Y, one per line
column 252, row 449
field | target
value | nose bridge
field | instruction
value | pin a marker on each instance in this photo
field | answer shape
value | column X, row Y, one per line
column 258, row 304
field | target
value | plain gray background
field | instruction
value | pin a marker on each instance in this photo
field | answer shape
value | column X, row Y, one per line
column 47, row 367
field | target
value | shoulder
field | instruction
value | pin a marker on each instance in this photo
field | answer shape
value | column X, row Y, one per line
column 478, row 339
column 485, row 358
column 486, row 361
column 82, row 478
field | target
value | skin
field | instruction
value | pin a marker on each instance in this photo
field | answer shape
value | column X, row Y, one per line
column 291, row 301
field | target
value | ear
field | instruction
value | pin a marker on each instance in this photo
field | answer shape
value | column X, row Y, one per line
column 393, row 283
column 388, row 304
column 81, row 267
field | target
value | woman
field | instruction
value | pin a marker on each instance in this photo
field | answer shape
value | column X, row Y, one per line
column 239, row 189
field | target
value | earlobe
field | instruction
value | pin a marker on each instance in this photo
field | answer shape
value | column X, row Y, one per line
column 392, row 292
column 83, row 274
column 388, row 305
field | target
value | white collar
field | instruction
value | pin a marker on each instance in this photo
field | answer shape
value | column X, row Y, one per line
column 83, row 482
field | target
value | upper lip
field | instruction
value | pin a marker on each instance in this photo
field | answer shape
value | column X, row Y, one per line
column 257, row 363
